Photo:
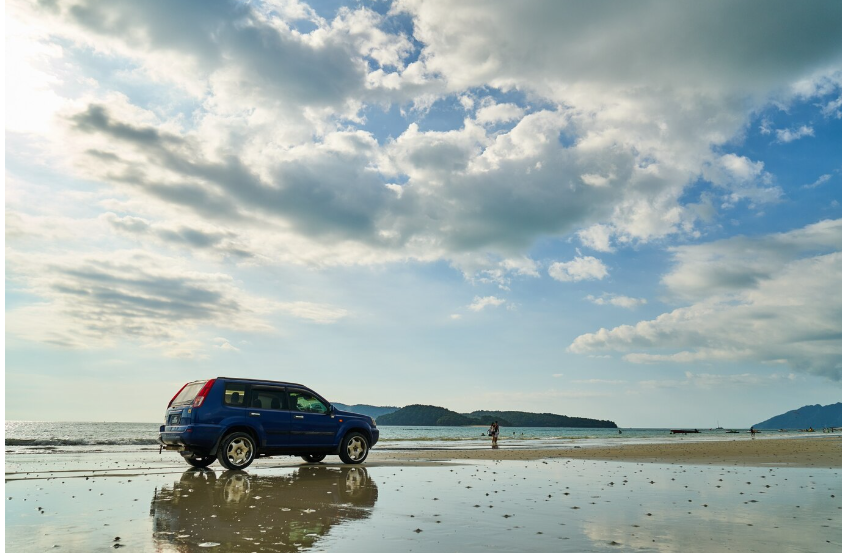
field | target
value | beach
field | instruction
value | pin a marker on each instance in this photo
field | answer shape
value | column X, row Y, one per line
column 765, row 494
column 821, row 451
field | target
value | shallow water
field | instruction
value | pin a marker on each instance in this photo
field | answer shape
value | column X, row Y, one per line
column 153, row 504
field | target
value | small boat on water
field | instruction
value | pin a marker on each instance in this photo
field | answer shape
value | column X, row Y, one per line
column 684, row 432
column 733, row 432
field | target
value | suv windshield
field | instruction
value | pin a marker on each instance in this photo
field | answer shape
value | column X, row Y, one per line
column 188, row 393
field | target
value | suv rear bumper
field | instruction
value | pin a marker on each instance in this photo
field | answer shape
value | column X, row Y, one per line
column 200, row 438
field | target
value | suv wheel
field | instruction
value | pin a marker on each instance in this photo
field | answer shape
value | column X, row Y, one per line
column 314, row 458
column 237, row 451
column 354, row 448
column 200, row 461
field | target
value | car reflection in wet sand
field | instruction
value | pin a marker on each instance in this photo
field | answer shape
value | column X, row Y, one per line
column 267, row 513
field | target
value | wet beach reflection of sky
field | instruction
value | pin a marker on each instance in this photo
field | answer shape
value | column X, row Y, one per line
column 554, row 505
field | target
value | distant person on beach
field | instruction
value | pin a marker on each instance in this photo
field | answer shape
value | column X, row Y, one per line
column 753, row 432
column 494, row 432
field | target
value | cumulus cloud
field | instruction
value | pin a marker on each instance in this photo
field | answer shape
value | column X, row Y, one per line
column 248, row 138
column 580, row 268
column 741, row 263
column 768, row 299
column 499, row 113
column 274, row 140
column 616, row 300
column 743, row 178
column 597, row 237
column 790, row 135
column 488, row 301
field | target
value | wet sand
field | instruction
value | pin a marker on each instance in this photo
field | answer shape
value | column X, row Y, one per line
column 784, row 495
column 821, row 451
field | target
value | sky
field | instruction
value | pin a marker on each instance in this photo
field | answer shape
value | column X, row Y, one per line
column 617, row 210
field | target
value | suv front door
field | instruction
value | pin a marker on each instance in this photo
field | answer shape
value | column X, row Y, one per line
column 311, row 423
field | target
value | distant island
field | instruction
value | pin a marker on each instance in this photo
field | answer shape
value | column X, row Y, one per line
column 430, row 415
column 372, row 411
column 809, row 416
column 522, row 418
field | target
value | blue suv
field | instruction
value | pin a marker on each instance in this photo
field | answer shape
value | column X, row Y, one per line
column 236, row 420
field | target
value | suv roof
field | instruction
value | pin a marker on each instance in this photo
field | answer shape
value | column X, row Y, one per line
column 260, row 380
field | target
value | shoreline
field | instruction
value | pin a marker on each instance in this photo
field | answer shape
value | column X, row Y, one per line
column 824, row 452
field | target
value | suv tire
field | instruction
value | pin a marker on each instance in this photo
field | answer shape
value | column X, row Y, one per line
column 199, row 461
column 237, row 451
column 314, row 457
column 354, row 448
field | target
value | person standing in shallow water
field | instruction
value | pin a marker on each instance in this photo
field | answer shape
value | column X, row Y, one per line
column 494, row 432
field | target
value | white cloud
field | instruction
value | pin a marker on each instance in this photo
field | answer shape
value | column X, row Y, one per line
column 315, row 312
column 743, row 178
column 246, row 140
column 740, row 263
column 833, row 108
column 599, row 181
column 789, row 135
column 498, row 113
column 488, row 301
column 597, row 237
column 718, row 381
column 225, row 345
column 95, row 300
column 580, row 268
column 599, row 381
column 638, row 133
column 819, row 181
column 768, row 299
column 618, row 301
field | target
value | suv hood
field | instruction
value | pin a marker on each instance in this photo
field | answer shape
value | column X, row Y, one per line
column 351, row 415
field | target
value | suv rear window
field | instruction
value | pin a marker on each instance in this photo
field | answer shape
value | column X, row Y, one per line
column 188, row 394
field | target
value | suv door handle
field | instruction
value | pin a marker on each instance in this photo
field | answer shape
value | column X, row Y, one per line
column 298, row 416
column 254, row 414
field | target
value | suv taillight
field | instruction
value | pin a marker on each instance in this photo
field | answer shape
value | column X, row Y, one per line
column 176, row 395
column 200, row 397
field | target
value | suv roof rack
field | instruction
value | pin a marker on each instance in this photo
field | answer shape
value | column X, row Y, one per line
column 261, row 380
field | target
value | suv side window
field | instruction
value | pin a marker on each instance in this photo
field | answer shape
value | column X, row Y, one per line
column 268, row 398
column 235, row 394
column 306, row 402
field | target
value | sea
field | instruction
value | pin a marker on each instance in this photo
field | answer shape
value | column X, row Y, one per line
column 60, row 437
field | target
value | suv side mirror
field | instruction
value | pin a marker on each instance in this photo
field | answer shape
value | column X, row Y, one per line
column 332, row 411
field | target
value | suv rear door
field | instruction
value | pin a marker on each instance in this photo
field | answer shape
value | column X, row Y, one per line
column 268, row 404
